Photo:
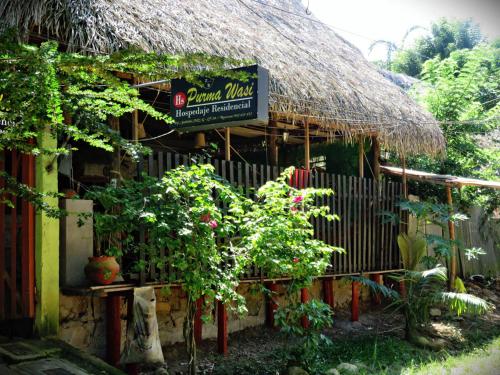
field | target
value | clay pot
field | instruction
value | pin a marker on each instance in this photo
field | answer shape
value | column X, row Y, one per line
column 102, row 270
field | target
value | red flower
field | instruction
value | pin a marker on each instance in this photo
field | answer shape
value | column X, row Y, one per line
column 213, row 224
column 205, row 218
column 295, row 260
column 298, row 199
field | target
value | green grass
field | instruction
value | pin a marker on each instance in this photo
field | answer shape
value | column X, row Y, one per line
column 387, row 355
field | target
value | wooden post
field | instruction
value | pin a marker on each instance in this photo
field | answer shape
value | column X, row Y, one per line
column 113, row 329
column 304, row 298
column 221, row 328
column 114, row 122
column 273, row 144
column 361, row 157
column 402, row 288
column 307, row 147
column 198, row 323
column 46, row 241
column 271, row 305
column 405, row 178
column 28, row 240
column 376, row 159
column 227, row 143
column 451, row 228
column 355, row 301
column 328, row 296
column 376, row 299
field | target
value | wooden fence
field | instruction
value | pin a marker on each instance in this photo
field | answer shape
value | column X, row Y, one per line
column 369, row 241
column 17, row 241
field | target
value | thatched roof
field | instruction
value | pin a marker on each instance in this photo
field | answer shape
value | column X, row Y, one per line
column 314, row 71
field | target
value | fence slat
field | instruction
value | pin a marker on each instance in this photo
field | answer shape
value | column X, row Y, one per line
column 369, row 244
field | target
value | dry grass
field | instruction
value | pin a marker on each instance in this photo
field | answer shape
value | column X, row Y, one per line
column 315, row 74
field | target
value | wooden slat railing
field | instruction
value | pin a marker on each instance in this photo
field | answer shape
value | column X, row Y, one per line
column 370, row 243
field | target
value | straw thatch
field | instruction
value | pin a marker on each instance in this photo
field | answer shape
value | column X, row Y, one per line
column 314, row 72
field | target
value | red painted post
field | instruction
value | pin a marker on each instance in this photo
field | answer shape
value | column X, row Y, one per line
column 376, row 298
column 221, row 328
column 271, row 305
column 198, row 323
column 113, row 329
column 3, row 303
column 355, row 301
column 328, row 292
column 402, row 288
column 304, row 298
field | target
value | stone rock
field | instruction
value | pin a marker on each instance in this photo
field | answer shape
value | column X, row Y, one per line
column 332, row 371
column 347, row 368
column 434, row 312
column 294, row 370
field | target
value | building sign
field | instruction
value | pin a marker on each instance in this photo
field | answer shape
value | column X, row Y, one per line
column 221, row 102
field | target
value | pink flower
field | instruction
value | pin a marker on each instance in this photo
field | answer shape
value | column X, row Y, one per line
column 213, row 224
column 298, row 199
column 293, row 209
column 205, row 218
column 295, row 260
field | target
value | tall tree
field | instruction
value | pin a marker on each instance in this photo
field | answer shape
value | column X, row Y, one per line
column 445, row 37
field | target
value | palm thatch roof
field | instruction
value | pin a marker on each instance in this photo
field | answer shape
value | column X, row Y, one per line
column 314, row 72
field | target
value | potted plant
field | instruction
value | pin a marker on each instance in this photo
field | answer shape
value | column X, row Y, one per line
column 116, row 220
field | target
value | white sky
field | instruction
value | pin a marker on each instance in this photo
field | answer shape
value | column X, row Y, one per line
column 390, row 19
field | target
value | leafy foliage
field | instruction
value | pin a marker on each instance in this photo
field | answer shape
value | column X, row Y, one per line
column 445, row 37
column 74, row 95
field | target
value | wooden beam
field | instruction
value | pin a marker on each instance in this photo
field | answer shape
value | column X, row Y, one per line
column 227, row 143
column 307, row 147
column 376, row 159
column 221, row 328
column 451, row 228
column 304, row 298
column 113, row 329
column 47, row 241
column 376, row 299
column 361, row 157
column 271, row 305
column 328, row 296
column 273, row 145
column 355, row 301
column 115, row 172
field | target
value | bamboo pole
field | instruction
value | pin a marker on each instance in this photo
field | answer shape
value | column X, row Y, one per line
column 227, row 143
column 361, row 157
column 405, row 178
column 376, row 159
column 307, row 147
column 451, row 228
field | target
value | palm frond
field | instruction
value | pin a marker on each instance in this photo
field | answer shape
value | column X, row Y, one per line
column 464, row 303
column 376, row 287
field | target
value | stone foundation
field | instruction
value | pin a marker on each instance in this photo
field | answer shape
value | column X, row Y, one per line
column 83, row 319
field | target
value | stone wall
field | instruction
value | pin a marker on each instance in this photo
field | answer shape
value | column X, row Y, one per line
column 83, row 319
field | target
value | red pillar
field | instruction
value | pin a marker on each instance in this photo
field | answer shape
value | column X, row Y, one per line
column 113, row 329
column 271, row 305
column 328, row 292
column 198, row 323
column 376, row 298
column 221, row 328
column 304, row 298
column 402, row 288
column 355, row 301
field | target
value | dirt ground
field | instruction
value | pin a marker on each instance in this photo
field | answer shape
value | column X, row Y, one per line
column 259, row 344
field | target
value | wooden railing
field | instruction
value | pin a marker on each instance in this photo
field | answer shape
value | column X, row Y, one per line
column 369, row 241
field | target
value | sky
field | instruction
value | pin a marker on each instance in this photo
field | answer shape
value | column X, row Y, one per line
column 363, row 21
